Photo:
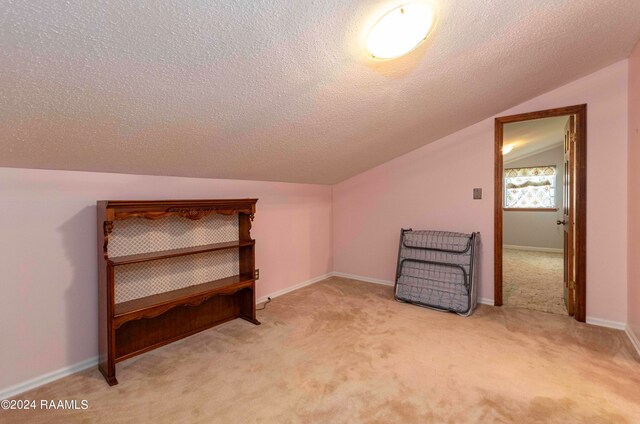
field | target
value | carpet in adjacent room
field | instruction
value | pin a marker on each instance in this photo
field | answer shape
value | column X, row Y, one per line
column 533, row 280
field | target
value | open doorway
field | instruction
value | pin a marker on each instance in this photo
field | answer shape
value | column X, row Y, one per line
column 540, row 211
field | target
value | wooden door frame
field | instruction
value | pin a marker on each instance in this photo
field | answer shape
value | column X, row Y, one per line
column 581, row 199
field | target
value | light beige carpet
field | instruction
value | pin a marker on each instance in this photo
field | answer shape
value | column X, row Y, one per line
column 342, row 351
column 533, row 280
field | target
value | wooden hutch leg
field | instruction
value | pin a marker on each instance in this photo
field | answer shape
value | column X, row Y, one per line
column 248, row 304
column 106, row 361
column 110, row 376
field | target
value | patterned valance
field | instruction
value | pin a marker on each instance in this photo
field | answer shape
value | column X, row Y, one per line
column 536, row 171
column 529, row 184
column 528, row 188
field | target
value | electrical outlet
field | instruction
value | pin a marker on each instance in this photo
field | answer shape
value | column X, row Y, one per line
column 257, row 274
column 477, row 193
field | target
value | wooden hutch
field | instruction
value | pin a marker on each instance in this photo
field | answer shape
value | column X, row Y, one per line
column 169, row 269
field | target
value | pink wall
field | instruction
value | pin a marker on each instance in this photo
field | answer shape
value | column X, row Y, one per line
column 48, row 297
column 48, row 253
column 431, row 187
column 633, row 318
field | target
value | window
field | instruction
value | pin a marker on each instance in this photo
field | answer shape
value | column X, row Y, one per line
column 530, row 188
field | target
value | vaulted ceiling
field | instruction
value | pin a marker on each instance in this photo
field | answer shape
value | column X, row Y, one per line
column 530, row 137
column 274, row 89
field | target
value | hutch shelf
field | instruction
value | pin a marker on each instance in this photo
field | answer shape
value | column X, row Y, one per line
column 169, row 269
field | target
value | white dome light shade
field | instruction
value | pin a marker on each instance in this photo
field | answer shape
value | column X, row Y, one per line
column 400, row 30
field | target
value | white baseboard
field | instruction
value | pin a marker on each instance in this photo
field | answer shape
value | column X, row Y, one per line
column 634, row 339
column 363, row 278
column 533, row 249
column 482, row 300
column 92, row 362
column 47, row 378
column 616, row 325
column 294, row 287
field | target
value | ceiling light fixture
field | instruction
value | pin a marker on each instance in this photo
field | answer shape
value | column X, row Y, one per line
column 506, row 149
column 401, row 30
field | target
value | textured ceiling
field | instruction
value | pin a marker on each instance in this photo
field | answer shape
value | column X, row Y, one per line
column 274, row 89
column 529, row 137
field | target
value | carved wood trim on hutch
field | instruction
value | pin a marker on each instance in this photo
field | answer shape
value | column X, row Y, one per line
column 136, row 326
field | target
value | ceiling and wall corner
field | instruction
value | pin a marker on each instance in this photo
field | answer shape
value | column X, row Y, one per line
column 431, row 188
column 529, row 138
column 270, row 89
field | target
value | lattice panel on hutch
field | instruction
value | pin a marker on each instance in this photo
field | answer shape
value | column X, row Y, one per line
column 140, row 235
column 144, row 279
column 168, row 269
